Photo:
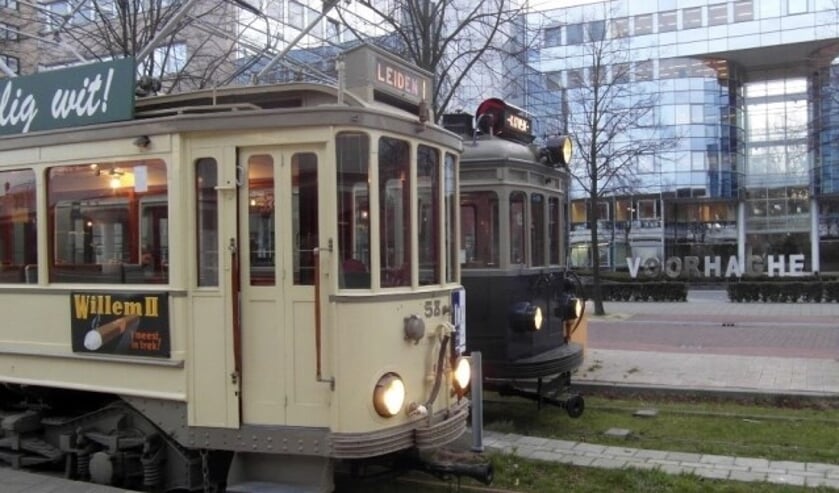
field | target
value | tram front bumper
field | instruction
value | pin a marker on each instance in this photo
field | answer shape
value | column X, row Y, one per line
column 442, row 428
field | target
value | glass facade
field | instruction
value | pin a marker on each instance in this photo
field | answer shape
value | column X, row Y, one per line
column 755, row 166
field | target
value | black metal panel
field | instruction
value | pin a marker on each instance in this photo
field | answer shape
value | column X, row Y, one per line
column 489, row 301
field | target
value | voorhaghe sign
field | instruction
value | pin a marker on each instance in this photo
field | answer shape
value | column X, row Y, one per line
column 76, row 96
column 674, row 267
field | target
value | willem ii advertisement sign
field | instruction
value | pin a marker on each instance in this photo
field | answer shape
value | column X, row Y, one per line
column 76, row 96
column 674, row 267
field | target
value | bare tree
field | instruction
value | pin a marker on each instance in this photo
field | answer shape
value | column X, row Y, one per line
column 612, row 121
column 452, row 39
column 196, row 50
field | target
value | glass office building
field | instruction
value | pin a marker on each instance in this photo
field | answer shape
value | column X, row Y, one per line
column 747, row 93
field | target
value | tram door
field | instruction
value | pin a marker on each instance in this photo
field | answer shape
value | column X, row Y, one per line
column 278, row 222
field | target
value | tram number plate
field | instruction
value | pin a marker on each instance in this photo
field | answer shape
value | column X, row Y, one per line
column 459, row 319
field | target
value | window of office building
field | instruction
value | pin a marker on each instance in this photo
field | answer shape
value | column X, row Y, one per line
column 576, row 78
column 644, row 70
column 574, row 34
column 620, row 27
column 667, row 21
column 796, row 6
column 596, row 30
column 9, row 4
column 692, row 18
column 777, row 179
column 553, row 36
column 643, row 24
column 743, row 11
column 295, row 14
column 718, row 14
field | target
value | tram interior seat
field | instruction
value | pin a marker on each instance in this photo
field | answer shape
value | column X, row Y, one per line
column 11, row 273
column 354, row 274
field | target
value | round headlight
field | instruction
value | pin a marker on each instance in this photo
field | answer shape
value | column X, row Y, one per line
column 537, row 318
column 462, row 373
column 389, row 395
column 578, row 308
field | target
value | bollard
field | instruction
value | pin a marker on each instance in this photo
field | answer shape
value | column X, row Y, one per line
column 477, row 403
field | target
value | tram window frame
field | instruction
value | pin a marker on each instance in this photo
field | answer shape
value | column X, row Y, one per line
column 206, row 222
column 428, row 207
column 18, row 227
column 480, row 232
column 394, row 193
column 352, row 151
column 518, row 228
column 554, row 231
column 537, row 230
column 450, row 183
column 95, row 222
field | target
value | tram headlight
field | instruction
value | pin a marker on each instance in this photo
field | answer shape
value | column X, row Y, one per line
column 526, row 317
column 462, row 373
column 389, row 395
column 570, row 307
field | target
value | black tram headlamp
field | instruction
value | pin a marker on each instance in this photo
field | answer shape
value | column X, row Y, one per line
column 389, row 395
column 525, row 317
column 462, row 374
column 569, row 308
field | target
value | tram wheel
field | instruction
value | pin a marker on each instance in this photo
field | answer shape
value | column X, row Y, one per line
column 575, row 406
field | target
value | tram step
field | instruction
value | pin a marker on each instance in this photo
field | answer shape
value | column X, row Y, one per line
column 270, row 487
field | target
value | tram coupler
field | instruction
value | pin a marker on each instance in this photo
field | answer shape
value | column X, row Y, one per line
column 572, row 402
column 446, row 464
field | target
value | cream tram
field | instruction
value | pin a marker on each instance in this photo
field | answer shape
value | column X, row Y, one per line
column 233, row 287
column 524, row 307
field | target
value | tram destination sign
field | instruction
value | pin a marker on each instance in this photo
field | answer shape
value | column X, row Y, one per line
column 71, row 97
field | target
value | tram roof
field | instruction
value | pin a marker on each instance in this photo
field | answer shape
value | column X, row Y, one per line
column 489, row 148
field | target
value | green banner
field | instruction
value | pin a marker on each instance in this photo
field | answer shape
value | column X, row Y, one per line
column 71, row 97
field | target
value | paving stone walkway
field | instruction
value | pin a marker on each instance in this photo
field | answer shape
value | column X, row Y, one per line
column 702, row 465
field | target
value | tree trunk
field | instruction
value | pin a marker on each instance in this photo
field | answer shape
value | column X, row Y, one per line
column 596, row 292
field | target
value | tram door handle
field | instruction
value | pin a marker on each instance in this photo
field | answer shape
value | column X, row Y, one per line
column 231, row 247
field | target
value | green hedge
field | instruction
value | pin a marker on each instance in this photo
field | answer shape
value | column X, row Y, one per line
column 642, row 291
column 810, row 291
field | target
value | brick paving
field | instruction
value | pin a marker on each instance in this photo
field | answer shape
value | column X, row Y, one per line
column 706, row 344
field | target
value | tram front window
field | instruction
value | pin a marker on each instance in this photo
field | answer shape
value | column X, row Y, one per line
column 109, row 222
column 353, row 177
column 428, row 212
column 394, row 212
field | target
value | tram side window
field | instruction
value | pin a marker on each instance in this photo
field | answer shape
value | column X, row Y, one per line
column 428, row 212
column 109, row 222
column 18, row 232
column 553, row 231
column 394, row 212
column 537, row 229
column 304, row 173
column 353, row 169
column 517, row 228
column 450, row 217
column 206, row 214
column 479, row 229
